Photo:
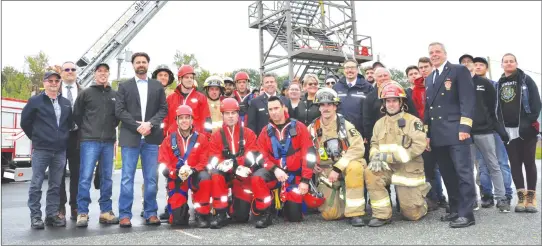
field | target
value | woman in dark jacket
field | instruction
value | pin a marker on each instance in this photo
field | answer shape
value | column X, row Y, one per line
column 306, row 111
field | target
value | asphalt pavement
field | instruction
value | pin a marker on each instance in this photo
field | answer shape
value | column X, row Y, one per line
column 491, row 227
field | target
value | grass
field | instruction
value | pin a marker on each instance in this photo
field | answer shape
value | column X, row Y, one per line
column 118, row 161
column 538, row 154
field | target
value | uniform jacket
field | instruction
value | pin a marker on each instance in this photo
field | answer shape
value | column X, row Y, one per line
column 352, row 99
column 196, row 101
column 355, row 150
column 216, row 115
column 217, row 145
column 197, row 158
column 449, row 105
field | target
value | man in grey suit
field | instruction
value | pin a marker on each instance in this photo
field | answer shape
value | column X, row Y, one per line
column 141, row 107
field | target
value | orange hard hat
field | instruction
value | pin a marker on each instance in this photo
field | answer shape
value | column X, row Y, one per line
column 184, row 70
column 229, row 104
column 184, row 110
column 240, row 76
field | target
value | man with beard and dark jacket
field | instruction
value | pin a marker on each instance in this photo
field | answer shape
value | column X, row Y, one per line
column 518, row 106
column 352, row 90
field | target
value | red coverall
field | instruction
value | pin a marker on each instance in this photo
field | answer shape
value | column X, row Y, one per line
column 200, row 180
column 222, row 181
column 264, row 180
column 244, row 106
column 197, row 101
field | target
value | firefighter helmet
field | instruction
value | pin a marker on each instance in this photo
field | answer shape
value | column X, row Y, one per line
column 229, row 104
column 228, row 80
column 184, row 110
column 241, row 75
column 213, row 81
column 184, row 70
column 392, row 89
column 313, row 198
column 163, row 68
column 326, row 95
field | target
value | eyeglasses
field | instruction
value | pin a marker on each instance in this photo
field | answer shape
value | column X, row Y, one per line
column 330, row 83
column 53, row 80
column 350, row 67
column 312, row 84
column 70, row 69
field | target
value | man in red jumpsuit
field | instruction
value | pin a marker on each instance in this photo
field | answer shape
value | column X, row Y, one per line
column 185, row 154
column 242, row 94
column 289, row 156
column 233, row 148
column 186, row 94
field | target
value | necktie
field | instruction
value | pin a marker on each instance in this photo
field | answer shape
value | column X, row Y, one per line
column 70, row 96
column 436, row 76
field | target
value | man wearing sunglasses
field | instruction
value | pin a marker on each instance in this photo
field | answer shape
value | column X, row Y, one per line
column 47, row 119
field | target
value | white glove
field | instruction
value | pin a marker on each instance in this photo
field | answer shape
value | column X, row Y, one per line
column 243, row 171
column 226, row 165
column 185, row 172
column 378, row 166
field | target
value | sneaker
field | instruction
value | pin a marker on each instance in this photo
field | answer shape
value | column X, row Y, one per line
column 55, row 221
column 503, row 205
column 475, row 206
column 487, row 201
column 82, row 220
column 108, row 218
column 37, row 223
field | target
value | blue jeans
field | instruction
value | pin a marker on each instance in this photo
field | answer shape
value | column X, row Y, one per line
column 91, row 152
column 149, row 163
column 56, row 161
column 502, row 157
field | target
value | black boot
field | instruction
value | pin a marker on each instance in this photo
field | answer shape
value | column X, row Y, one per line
column 487, row 201
column 180, row 216
column 357, row 221
column 263, row 220
column 202, row 220
column 375, row 222
column 219, row 220
column 165, row 214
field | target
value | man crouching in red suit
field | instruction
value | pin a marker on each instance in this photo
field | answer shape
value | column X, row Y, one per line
column 184, row 153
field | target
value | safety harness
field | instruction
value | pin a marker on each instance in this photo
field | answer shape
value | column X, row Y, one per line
column 226, row 152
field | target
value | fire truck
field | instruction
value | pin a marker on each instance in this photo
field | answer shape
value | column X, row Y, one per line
column 16, row 147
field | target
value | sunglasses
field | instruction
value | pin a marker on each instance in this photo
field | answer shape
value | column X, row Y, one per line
column 53, row 80
column 330, row 83
column 70, row 69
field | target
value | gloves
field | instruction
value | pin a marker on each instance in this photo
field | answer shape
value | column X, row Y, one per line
column 377, row 164
column 185, row 172
column 226, row 165
column 243, row 171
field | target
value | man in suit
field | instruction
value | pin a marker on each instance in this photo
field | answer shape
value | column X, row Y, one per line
column 141, row 107
column 448, row 120
column 258, row 116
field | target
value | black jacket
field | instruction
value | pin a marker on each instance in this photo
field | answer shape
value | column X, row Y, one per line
column 372, row 112
column 352, row 99
column 258, row 116
column 38, row 121
column 483, row 120
column 94, row 113
column 306, row 111
column 529, row 100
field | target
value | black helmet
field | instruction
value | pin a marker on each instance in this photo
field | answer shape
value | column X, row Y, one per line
column 326, row 95
column 162, row 68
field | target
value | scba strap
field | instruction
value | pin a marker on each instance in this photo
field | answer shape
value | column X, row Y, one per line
column 280, row 150
column 177, row 152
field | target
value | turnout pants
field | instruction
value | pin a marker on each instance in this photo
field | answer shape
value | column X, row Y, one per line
column 239, row 207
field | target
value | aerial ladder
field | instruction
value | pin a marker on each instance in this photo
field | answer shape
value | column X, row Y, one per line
column 116, row 38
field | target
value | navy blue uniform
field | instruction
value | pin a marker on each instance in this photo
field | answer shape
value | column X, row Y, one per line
column 449, row 107
column 352, row 99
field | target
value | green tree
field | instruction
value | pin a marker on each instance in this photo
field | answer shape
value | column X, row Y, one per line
column 15, row 84
column 253, row 74
column 201, row 77
column 399, row 76
column 115, row 83
column 37, row 65
column 181, row 58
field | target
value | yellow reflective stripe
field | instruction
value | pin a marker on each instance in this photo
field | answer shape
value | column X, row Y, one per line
column 403, row 155
column 355, row 202
column 382, row 203
column 411, row 182
column 465, row 121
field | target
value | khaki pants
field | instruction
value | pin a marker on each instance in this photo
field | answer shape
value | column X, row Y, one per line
column 413, row 205
column 352, row 203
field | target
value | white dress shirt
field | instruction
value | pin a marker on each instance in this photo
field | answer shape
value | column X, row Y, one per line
column 143, row 88
column 440, row 69
column 73, row 90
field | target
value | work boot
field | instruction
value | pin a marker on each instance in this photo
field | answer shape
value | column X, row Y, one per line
column 376, row 222
column 82, row 220
column 520, row 207
column 487, row 201
column 220, row 219
column 153, row 220
column 263, row 220
column 357, row 221
column 179, row 216
column 503, row 205
column 55, row 221
column 125, row 222
column 62, row 212
column 202, row 220
column 37, row 223
column 109, row 218
column 432, row 205
column 530, row 204
column 165, row 214
column 73, row 214
column 442, row 202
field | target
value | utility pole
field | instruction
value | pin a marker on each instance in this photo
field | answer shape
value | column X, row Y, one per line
column 489, row 68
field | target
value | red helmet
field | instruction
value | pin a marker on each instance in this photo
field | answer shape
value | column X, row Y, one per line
column 229, row 104
column 241, row 75
column 184, row 110
column 184, row 70
column 392, row 90
column 314, row 200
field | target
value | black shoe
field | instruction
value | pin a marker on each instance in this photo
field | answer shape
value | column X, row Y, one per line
column 475, row 206
column 487, row 201
column 263, row 220
column 37, row 223
column 432, row 205
column 357, row 221
column 73, row 215
column 503, row 205
column 461, row 222
column 55, row 221
column 449, row 217
column 142, row 214
column 164, row 215
column 202, row 221
column 442, row 202
column 219, row 220
column 375, row 222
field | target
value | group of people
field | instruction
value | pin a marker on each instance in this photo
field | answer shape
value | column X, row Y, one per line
column 335, row 150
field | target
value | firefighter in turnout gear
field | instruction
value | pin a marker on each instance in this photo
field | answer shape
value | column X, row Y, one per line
column 184, row 153
column 341, row 167
column 289, row 159
column 397, row 144
column 232, row 153
column 214, row 89
column 186, row 94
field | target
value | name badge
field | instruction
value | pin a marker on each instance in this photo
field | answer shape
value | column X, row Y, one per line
column 261, row 109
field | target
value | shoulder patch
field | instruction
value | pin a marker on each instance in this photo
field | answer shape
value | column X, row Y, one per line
column 418, row 126
column 353, row 132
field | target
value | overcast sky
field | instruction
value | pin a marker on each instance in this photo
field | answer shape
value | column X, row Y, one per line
column 218, row 32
